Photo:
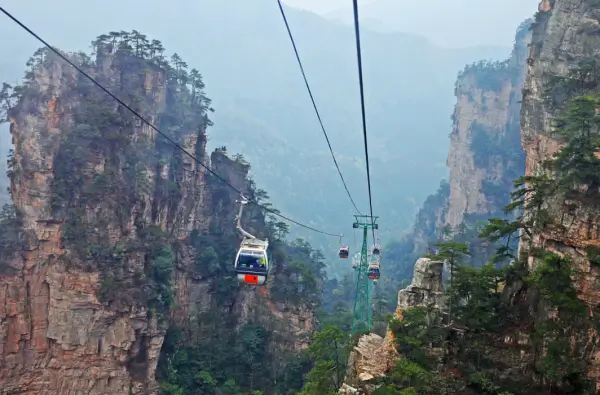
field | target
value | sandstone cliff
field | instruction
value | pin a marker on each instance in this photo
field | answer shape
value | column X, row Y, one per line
column 111, row 225
column 485, row 154
column 544, row 337
column 485, row 157
column 564, row 38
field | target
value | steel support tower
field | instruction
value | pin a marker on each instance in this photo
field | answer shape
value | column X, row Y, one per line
column 361, row 319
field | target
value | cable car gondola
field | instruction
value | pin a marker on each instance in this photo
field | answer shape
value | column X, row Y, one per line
column 344, row 251
column 376, row 249
column 251, row 261
column 373, row 271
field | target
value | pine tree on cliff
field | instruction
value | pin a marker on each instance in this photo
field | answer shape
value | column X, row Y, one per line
column 451, row 253
column 329, row 352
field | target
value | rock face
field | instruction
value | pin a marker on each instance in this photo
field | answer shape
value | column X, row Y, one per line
column 564, row 34
column 374, row 356
column 107, row 210
column 426, row 288
column 430, row 221
column 485, row 154
column 485, row 157
column 59, row 337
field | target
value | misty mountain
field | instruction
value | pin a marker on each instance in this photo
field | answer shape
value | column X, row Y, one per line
column 451, row 24
column 263, row 110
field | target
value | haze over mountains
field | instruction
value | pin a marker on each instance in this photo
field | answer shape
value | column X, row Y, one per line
column 263, row 110
column 450, row 24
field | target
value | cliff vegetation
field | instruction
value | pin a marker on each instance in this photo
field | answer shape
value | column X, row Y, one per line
column 485, row 157
column 116, row 252
column 528, row 325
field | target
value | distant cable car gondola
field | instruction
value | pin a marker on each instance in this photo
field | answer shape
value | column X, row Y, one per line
column 251, row 261
column 373, row 271
column 376, row 246
column 344, row 251
column 376, row 249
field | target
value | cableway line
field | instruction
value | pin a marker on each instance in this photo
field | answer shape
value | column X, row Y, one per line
column 176, row 145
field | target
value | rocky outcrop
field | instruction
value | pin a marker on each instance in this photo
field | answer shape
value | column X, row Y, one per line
column 564, row 34
column 426, row 288
column 372, row 357
column 110, row 215
column 59, row 337
column 485, row 154
column 375, row 356
column 485, row 157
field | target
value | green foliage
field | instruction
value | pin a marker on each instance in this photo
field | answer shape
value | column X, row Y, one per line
column 556, row 315
column 214, row 252
column 569, row 174
column 575, row 165
column 150, row 286
column 220, row 366
column 415, row 372
column 560, row 364
column 160, row 267
column 294, row 374
column 11, row 234
column 415, row 332
column 226, row 362
column 245, row 360
column 484, row 385
column 499, row 229
column 100, row 170
column 329, row 351
column 593, row 254
column 529, row 198
column 451, row 253
column 584, row 78
column 8, row 99
column 478, row 291
column 300, row 279
column 488, row 75
column 481, row 314
column 338, row 299
column 552, row 277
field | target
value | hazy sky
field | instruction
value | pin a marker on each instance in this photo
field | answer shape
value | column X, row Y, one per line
column 322, row 6
column 456, row 23
column 325, row 6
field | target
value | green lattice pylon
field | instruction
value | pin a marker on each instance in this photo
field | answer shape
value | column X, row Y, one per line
column 361, row 319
